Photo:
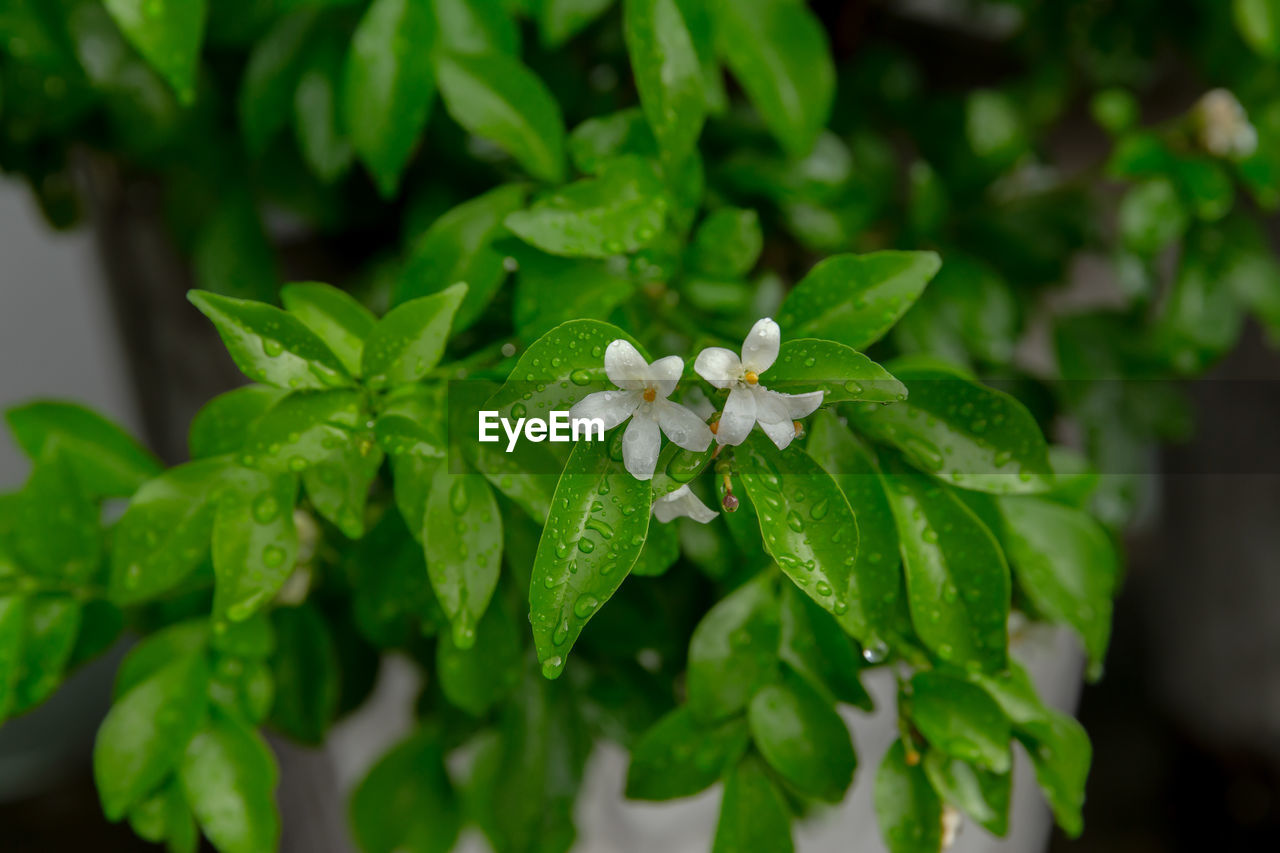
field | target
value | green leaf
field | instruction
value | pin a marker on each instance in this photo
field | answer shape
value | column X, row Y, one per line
column 164, row 534
column 406, row 802
column 957, row 579
column 727, row 243
column 816, row 648
column 561, row 20
column 678, row 757
column 476, row 679
column 667, row 74
column 778, row 51
column 960, row 719
column 855, row 299
column 305, row 671
column 734, row 650
column 55, row 531
column 106, row 461
column 389, row 86
column 168, row 34
column 340, row 321
column 908, row 811
column 498, row 98
column 661, row 551
column 981, row 794
column 1067, row 565
column 302, row 429
column 13, row 622
column 462, row 534
column 594, row 533
column 412, row 476
column 476, row 26
column 228, row 775
column 873, row 596
column 324, row 143
column 753, row 813
column 458, row 247
column 1151, row 216
column 255, row 542
column 803, row 738
column 52, row 623
column 222, row 425
column 338, row 486
column 270, row 346
column 271, row 78
column 843, row 373
column 409, row 341
column 620, row 210
column 552, row 290
column 805, row 520
column 413, row 423
column 165, row 816
column 964, row 433
column 183, row 640
column 146, row 732
column 1259, row 23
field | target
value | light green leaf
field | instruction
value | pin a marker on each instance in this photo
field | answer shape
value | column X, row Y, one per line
column 229, row 775
column 964, row 433
column 462, row 534
column 168, row 34
column 302, row 429
column 1259, row 23
column 222, row 425
column 778, row 51
column 389, row 86
column 907, row 809
column 164, row 534
column 620, row 210
column 727, row 243
column 498, row 98
column 552, row 290
column 164, row 816
column 843, row 373
column 458, row 247
column 409, row 341
column 340, row 321
column 561, row 20
column 805, row 520
column 958, row 585
column 667, row 74
column 678, row 757
column 855, row 299
column 981, row 794
column 179, row 641
column 734, row 650
column 271, row 78
column 406, row 804
column 476, row 26
column 306, row 675
column 753, row 813
column 413, row 422
column 270, row 346
column 803, row 738
column 255, row 542
column 145, row 733
column 478, row 678
column 818, row 650
column 106, row 461
column 1065, row 562
column 960, row 719
column 594, row 533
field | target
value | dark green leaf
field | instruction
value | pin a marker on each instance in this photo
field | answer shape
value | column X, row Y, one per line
column 909, row 812
column 803, row 738
column 594, row 533
column 222, row 425
column 340, row 321
column 271, row 78
column 981, row 794
column 168, row 34
column 816, row 648
column 960, row 719
column 552, row 290
column 255, row 542
column 560, row 20
column 668, row 76
column 855, row 299
column 229, row 775
column 270, row 346
column 678, row 757
column 462, row 534
column 305, row 670
column 498, row 98
column 409, row 341
column 734, row 650
column 660, row 552
column 233, row 255
column 322, row 140
column 753, row 814
column 727, row 243
column 477, row 678
column 406, row 802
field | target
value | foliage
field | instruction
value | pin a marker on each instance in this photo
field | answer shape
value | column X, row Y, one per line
column 588, row 174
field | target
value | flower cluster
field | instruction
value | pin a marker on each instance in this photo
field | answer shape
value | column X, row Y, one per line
column 643, row 396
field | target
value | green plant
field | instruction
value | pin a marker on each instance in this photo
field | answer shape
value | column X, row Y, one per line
column 341, row 507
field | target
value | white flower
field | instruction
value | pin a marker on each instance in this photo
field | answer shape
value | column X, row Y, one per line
column 682, row 502
column 643, row 398
column 750, row 402
column 1225, row 130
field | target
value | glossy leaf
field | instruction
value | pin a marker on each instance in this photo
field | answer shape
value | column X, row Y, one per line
column 340, row 321
column 106, row 461
column 753, row 813
column 168, row 34
column 145, row 733
column 981, row 794
column 302, row 429
column 958, row 585
column 620, row 210
column 842, row 373
column 269, row 345
column 667, row 73
column 222, row 424
column 818, row 650
column 594, row 533
column 229, row 775
column 907, row 809
column 678, row 757
column 734, row 650
column 409, row 341
column 498, row 98
column 855, row 299
column 406, row 802
column 802, row 737
column 960, row 719
column 255, row 543
column 462, row 535
column 338, row 486
column 477, row 678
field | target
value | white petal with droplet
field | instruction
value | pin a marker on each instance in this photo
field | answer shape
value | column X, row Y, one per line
column 625, row 366
column 640, row 445
column 719, row 366
column 683, row 426
column 738, row 417
column 612, row 407
column 760, row 349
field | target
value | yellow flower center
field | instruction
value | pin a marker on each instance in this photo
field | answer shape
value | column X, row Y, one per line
column 650, row 395
column 751, row 377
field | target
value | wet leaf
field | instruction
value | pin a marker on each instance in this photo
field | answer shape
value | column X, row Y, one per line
column 802, row 737
column 229, row 775
column 409, row 341
column 844, row 374
column 340, row 321
column 667, row 73
column 981, row 794
column 462, row 534
column 907, row 809
column 734, row 650
column 960, row 719
column 222, row 425
column 255, row 543
column 678, row 757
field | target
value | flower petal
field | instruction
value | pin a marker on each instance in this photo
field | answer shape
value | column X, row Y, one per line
column 640, row 445
column 665, row 373
column 738, row 417
column 801, row 405
column 625, row 366
column 683, row 426
column 719, row 366
column 612, row 407
column 760, row 349
column 773, row 417
column 682, row 502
